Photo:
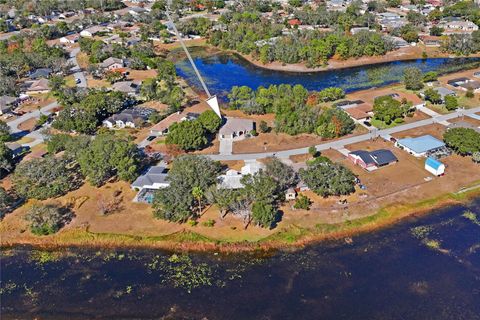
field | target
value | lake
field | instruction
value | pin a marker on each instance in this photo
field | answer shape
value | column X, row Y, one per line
column 422, row 268
column 223, row 71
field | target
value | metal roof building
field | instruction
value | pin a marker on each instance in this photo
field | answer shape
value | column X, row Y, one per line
column 420, row 146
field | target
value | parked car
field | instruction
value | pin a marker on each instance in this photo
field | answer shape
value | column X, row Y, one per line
column 150, row 138
column 78, row 81
column 368, row 124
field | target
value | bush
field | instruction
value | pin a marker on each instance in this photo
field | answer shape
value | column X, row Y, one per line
column 302, row 202
column 264, row 128
column 253, row 133
column 209, row 223
column 48, row 219
column 470, row 94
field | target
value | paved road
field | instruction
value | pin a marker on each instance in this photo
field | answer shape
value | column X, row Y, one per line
column 78, row 73
column 36, row 135
column 339, row 144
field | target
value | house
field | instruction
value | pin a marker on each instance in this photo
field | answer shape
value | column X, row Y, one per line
column 161, row 128
column 458, row 26
column 420, row 146
column 443, row 92
column 112, row 63
column 232, row 178
column 435, row 167
column 131, row 88
column 135, row 11
column 17, row 149
column 291, row 194
column 372, row 160
column 92, row 31
column 431, row 41
column 457, row 81
column 236, row 128
column 128, row 118
column 7, row 103
column 470, row 85
column 347, row 104
column 356, row 30
column 37, row 86
column 397, row 42
column 71, row 39
column 294, row 23
column 40, row 73
column 154, row 179
column 361, row 112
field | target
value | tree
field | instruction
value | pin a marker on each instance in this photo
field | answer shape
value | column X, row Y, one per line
column 413, row 78
column 464, row 141
column 334, row 123
column 430, row 76
column 188, row 135
column 188, row 172
column 56, row 82
column 387, row 109
column 264, row 128
column 263, row 214
column 6, row 158
column 48, row 219
column 4, row 131
column 433, row 96
column 451, row 103
column 469, row 94
column 108, row 155
column 328, row 179
column 6, row 201
column 210, row 121
column 198, row 194
column 283, row 174
column 394, row 3
column 261, row 188
column 302, row 202
column 436, row 31
column 46, row 178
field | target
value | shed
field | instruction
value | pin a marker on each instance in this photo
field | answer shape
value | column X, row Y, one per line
column 435, row 167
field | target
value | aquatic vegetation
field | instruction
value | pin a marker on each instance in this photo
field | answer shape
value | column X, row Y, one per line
column 182, row 272
column 44, row 257
column 421, row 232
column 471, row 216
column 8, row 287
column 432, row 244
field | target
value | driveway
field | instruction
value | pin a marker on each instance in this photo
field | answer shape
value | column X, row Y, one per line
column 226, row 146
column 78, row 73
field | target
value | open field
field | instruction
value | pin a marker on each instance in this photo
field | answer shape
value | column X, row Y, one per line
column 435, row 130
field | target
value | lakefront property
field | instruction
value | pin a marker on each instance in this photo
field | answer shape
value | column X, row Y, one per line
column 238, row 126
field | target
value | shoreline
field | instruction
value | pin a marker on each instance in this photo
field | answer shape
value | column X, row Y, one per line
column 289, row 238
column 402, row 54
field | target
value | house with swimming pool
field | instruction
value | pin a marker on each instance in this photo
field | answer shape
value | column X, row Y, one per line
column 149, row 182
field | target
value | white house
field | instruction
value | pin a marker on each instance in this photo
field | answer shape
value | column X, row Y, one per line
column 92, row 31
column 420, row 146
column 112, row 63
column 435, row 167
column 71, row 39
column 236, row 128
column 154, row 178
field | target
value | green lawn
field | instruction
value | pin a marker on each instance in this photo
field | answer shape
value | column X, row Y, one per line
column 382, row 125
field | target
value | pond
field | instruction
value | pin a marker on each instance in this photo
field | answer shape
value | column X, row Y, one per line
column 423, row 268
column 223, row 71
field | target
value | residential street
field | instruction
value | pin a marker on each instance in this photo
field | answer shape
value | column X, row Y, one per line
column 339, row 144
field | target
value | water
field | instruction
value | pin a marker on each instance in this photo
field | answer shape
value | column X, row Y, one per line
column 389, row 274
column 223, row 71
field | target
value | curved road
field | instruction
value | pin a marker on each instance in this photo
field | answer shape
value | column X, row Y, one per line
column 338, row 144
column 46, row 110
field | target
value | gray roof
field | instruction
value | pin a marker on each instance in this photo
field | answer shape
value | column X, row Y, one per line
column 234, row 125
column 443, row 92
column 153, row 175
column 41, row 73
column 379, row 157
column 109, row 61
column 7, row 101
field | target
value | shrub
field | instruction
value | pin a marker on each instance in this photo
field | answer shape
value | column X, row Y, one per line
column 209, row 223
column 302, row 202
column 48, row 219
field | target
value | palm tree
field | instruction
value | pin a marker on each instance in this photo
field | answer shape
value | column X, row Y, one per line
column 198, row 194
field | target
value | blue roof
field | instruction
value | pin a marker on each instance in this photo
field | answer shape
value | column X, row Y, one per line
column 432, row 163
column 421, row 144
